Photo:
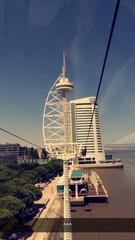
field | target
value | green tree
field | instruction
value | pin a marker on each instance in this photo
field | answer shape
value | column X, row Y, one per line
column 28, row 193
column 42, row 172
column 54, row 166
column 37, row 194
column 6, row 173
column 26, row 166
column 13, row 204
column 17, row 182
column 23, row 194
column 4, row 189
column 29, row 176
column 5, row 215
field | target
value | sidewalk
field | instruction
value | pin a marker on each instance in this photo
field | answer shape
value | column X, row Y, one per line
column 49, row 193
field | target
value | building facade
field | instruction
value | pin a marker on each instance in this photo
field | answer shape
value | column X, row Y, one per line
column 8, row 148
column 7, row 158
column 81, row 113
column 10, row 153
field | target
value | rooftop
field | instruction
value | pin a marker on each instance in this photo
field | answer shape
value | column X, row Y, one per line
column 76, row 174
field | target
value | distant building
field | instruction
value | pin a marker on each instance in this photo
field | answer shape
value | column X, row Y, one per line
column 8, row 148
column 10, row 153
column 13, row 149
column 7, row 158
column 23, row 151
column 81, row 113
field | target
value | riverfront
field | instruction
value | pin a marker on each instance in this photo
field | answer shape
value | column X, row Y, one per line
column 120, row 184
column 121, row 190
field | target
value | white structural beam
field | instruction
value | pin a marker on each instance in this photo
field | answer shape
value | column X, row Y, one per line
column 67, row 212
column 52, row 117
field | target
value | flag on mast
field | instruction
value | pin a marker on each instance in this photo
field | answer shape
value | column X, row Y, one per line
column 66, row 53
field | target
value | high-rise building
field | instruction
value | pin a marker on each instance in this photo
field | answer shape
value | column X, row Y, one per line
column 81, row 113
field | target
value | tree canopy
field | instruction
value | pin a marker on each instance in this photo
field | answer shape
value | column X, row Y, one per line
column 36, row 193
column 17, row 187
column 11, row 203
column 6, row 173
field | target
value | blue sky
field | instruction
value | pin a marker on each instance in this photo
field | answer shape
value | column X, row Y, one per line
column 33, row 34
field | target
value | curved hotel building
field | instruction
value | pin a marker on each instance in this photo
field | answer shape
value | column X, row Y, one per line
column 81, row 113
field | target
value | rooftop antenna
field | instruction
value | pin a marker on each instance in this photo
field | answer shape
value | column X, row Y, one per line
column 64, row 65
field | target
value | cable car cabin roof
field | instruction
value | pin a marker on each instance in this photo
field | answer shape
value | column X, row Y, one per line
column 76, row 174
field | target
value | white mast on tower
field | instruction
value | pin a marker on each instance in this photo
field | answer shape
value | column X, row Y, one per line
column 57, row 134
column 64, row 86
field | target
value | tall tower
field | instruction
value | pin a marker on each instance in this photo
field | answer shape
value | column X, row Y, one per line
column 63, row 87
column 56, row 116
column 57, row 134
column 81, row 113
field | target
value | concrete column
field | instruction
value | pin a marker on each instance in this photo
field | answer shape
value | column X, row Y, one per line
column 76, row 190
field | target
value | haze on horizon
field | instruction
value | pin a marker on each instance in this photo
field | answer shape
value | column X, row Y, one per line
column 33, row 35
